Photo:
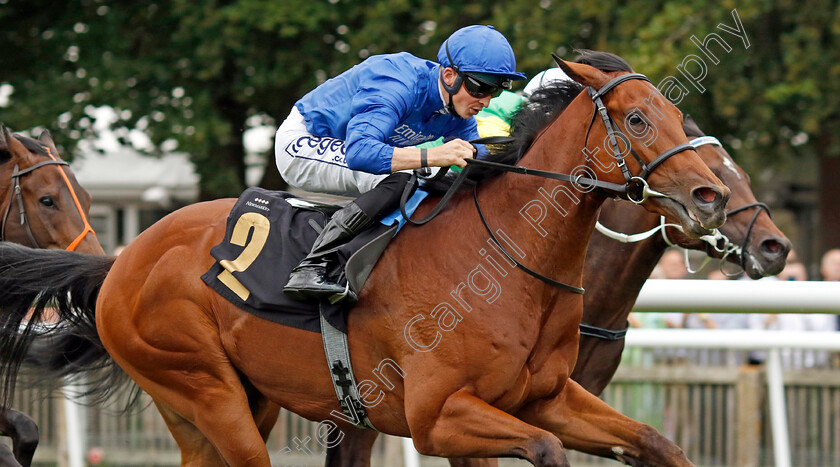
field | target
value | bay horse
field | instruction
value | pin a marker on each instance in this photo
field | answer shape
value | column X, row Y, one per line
column 618, row 264
column 496, row 387
column 45, row 208
column 43, row 205
column 749, row 239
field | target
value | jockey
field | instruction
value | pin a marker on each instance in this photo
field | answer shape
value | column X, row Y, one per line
column 353, row 134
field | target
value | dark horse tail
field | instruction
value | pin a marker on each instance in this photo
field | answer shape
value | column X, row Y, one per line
column 47, row 321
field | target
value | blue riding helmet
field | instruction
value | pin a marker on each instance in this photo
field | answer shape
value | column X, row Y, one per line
column 480, row 51
column 483, row 60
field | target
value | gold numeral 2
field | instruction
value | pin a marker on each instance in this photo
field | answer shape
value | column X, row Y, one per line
column 246, row 222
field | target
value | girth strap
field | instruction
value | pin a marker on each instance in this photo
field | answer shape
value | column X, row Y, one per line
column 337, row 351
column 601, row 333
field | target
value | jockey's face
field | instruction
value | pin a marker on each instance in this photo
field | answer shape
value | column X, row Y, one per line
column 465, row 105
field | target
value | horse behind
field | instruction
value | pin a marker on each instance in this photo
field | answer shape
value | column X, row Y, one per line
column 45, row 208
column 615, row 271
column 473, row 356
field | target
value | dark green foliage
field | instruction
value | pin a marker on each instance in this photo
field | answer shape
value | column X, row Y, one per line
column 195, row 71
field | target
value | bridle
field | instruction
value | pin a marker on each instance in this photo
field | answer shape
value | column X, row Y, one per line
column 16, row 194
column 717, row 240
column 635, row 188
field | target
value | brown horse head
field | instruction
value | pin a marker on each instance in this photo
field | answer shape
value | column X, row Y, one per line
column 757, row 244
column 647, row 126
column 43, row 206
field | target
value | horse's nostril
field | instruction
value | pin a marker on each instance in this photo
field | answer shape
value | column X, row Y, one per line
column 773, row 247
column 705, row 195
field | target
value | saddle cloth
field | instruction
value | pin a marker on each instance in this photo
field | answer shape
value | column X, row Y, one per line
column 266, row 236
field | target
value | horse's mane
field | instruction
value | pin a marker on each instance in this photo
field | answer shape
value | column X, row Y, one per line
column 30, row 144
column 604, row 61
column 545, row 105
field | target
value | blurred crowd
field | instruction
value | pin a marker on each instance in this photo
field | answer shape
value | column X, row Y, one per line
column 674, row 265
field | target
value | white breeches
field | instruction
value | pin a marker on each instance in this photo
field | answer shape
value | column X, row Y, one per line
column 315, row 163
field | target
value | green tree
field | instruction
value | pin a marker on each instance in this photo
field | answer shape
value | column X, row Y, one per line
column 195, row 72
column 200, row 72
column 776, row 103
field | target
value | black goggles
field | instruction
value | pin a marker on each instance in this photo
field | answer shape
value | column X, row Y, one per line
column 479, row 89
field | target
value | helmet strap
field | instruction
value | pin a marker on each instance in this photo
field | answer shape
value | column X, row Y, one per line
column 451, row 90
column 456, row 86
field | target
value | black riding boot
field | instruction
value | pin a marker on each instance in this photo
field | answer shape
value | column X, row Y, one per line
column 307, row 280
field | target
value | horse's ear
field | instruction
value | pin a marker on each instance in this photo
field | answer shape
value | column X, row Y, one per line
column 691, row 128
column 12, row 148
column 46, row 140
column 583, row 74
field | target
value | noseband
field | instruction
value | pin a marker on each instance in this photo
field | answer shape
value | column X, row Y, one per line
column 635, row 189
column 16, row 194
column 719, row 241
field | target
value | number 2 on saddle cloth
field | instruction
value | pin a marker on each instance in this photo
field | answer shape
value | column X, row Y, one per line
column 267, row 234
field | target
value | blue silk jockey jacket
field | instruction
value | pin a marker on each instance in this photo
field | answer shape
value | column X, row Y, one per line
column 385, row 101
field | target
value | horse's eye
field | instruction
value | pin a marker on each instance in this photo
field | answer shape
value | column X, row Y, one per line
column 47, row 201
column 635, row 119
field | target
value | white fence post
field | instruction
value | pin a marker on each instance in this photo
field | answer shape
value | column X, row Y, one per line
column 411, row 458
column 746, row 340
column 778, row 411
column 74, row 428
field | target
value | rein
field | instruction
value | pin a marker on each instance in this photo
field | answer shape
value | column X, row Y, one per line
column 718, row 241
column 533, row 273
column 16, row 194
column 635, row 189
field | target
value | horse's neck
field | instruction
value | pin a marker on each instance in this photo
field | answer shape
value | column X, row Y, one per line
column 615, row 272
column 549, row 221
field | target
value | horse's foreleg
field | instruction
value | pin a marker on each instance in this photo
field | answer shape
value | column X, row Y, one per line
column 352, row 450
column 265, row 415
column 24, row 433
column 586, row 423
column 7, row 459
column 356, row 445
column 196, row 449
column 210, row 418
column 466, row 426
